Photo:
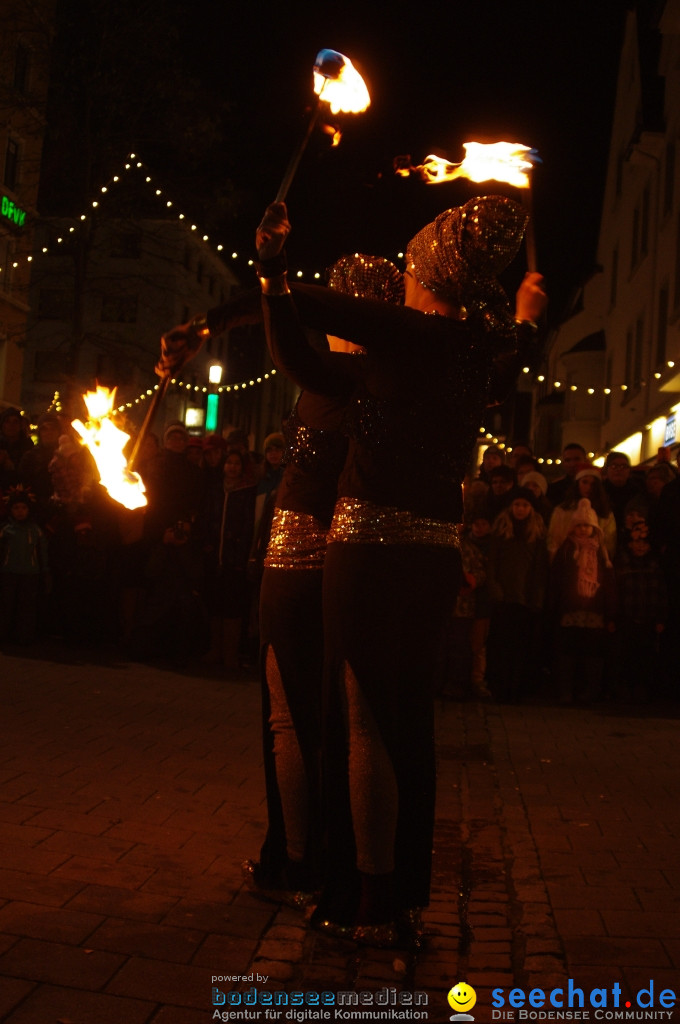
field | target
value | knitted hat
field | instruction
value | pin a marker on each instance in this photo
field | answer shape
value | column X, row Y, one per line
column 175, row 428
column 274, row 440
column 214, row 441
column 503, row 471
column 19, row 495
column 585, row 514
column 524, row 494
column 587, row 470
column 493, row 449
column 49, row 417
column 533, row 477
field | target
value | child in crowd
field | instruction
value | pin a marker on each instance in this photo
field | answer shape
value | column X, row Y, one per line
column 583, row 597
column 23, row 569
column 642, row 613
column 517, row 575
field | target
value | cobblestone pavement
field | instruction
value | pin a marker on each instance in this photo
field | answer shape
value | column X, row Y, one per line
column 130, row 794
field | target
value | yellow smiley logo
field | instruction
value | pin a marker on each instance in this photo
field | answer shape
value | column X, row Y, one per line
column 462, row 997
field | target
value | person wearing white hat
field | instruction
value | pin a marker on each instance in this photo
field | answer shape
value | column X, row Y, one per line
column 583, row 597
column 587, row 484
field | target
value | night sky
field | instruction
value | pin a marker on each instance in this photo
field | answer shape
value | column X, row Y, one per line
column 523, row 72
column 539, row 74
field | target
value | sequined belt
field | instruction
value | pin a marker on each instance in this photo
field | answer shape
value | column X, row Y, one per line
column 297, row 541
column 362, row 522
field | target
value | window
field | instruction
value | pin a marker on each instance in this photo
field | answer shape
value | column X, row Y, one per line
column 119, row 309
column 22, row 64
column 125, row 244
column 677, row 264
column 608, row 384
column 55, row 304
column 662, row 326
column 629, row 360
column 635, row 239
column 637, row 353
column 669, row 178
column 113, row 371
column 49, row 366
column 644, row 223
column 614, row 283
column 11, row 164
column 7, row 268
column 618, row 187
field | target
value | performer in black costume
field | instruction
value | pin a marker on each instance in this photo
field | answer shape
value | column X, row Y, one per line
column 392, row 560
column 291, row 630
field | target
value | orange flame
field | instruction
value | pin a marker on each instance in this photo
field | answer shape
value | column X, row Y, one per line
column 510, row 162
column 335, row 133
column 346, row 94
column 106, row 442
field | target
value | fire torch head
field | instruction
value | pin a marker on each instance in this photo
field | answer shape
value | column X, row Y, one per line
column 329, row 63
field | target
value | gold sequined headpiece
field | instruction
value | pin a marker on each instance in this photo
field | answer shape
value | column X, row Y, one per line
column 367, row 277
column 459, row 254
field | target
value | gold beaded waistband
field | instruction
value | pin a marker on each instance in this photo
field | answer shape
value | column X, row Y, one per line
column 297, row 541
column 363, row 522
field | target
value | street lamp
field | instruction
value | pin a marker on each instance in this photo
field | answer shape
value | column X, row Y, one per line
column 213, row 401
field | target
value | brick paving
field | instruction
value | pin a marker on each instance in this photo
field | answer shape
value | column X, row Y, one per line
column 130, row 794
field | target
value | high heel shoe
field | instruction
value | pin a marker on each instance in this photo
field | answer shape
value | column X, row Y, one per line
column 273, row 890
column 406, row 932
column 380, row 936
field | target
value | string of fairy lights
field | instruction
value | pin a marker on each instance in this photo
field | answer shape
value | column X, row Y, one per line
column 134, row 163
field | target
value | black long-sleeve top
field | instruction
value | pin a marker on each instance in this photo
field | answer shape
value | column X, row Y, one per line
column 417, row 397
column 416, row 404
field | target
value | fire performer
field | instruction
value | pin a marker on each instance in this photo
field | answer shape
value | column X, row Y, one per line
column 290, row 598
column 392, row 561
column 291, row 858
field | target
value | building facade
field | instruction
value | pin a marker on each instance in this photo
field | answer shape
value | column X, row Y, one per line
column 104, row 290
column 611, row 378
column 26, row 32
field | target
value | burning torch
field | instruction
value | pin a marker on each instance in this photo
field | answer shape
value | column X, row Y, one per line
column 510, row 162
column 337, row 83
column 106, row 442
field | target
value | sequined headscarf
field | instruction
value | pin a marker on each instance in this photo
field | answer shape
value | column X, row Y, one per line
column 367, row 277
column 460, row 253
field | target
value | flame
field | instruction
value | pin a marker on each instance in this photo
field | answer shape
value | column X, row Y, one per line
column 510, row 162
column 106, row 442
column 335, row 133
column 346, row 94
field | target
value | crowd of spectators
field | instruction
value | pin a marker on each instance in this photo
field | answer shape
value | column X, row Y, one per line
column 571, row 589
column 176, row 580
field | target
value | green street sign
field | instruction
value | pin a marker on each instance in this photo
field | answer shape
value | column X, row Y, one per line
column 11, row 212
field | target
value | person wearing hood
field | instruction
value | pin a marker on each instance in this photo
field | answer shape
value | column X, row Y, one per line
column 23, row 569
column 14, row 437
column 517, row 578
column 34, row 465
